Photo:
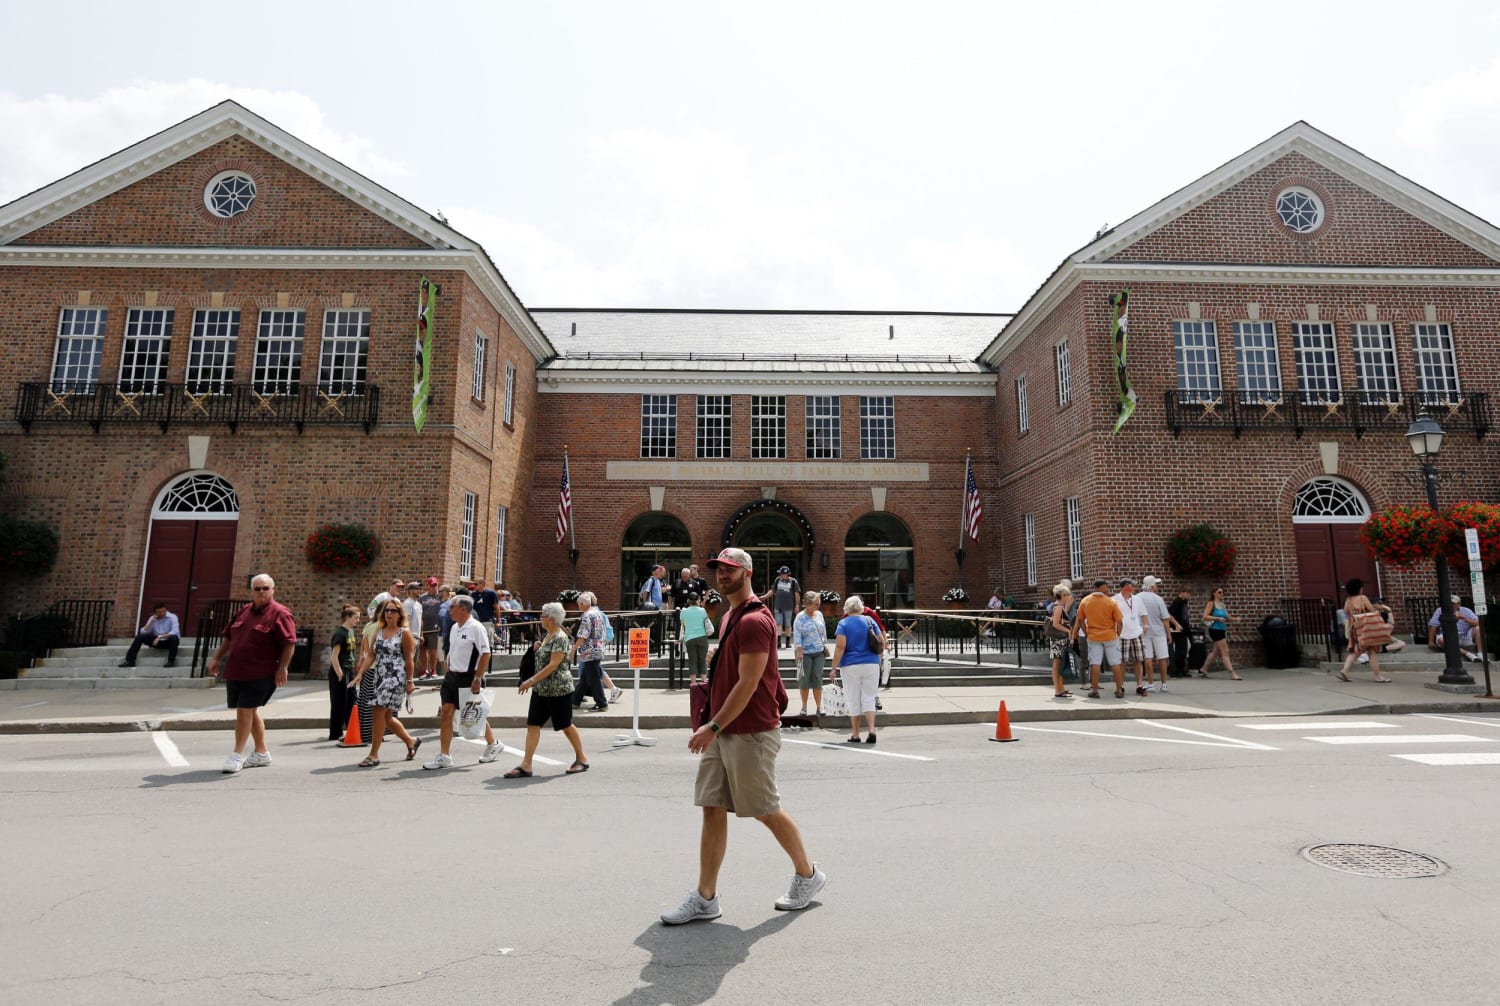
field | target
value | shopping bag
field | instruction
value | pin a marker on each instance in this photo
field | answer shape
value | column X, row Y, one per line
column 834, row 702
column 886, row 662
column 1371, row 631
column 473, row 714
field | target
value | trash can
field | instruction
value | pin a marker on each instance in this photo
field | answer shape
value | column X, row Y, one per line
column 302, row 654
column 1280, row 639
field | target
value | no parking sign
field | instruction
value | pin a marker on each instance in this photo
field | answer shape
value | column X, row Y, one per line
column 640, row 649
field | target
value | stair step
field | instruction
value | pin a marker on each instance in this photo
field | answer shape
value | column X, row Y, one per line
column 36, row 684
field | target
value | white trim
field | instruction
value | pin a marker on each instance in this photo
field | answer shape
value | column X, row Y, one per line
column 643, row 382
column 1353, row 490
column 158, row 514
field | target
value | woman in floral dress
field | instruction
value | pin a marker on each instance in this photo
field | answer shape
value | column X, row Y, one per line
column 390, row 654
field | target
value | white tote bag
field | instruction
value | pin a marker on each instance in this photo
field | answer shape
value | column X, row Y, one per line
column 473, row 714
column 834, row 702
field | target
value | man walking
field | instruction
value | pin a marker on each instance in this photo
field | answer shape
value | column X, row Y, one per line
column 396, row 591
column 1099, row 620
column 161, row 632
column 259, row 644
column 431, row 629
column 588, row 649
column 1132, row 631
column 784, row 598
column 1158, row 621
column 739, row 743
column 468, row 659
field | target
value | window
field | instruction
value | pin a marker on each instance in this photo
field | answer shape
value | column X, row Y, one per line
column 1437, row 371
column 824, row 440
column 476, row 381
column 210, row 368
column 148, row 340
column 509, row 415
column 345, row 352
column 658, row 426
column 466, row 543
column 767, row 426
column 1375, row 363
column 1330, row 500
column 1023, row 409
column 278, row 353
column 1064, row 364
column 1075, row 538
column 501, row 513
column 713, row 426
column 1300, row 210
column 1197, row 345
column 877, row 428
column 1258, row 361
column 1030, row 522
column 1317, row 362
column 80, row 349
column 229, row 194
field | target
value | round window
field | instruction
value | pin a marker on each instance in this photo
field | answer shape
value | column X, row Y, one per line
column 229, row 194
column 1300, row 210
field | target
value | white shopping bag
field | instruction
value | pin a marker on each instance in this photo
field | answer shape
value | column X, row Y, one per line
column 473, row 714
column 834, row 703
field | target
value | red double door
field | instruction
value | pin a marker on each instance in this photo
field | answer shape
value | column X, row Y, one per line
column 190, row 565
column 1330, row 555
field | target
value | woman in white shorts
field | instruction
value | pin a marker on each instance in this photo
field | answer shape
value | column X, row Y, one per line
column 860, row 664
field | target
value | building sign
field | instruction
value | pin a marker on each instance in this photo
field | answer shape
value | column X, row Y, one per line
column 767, row 472
column 640, row 649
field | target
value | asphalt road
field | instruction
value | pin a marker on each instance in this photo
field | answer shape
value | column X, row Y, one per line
column 1125, row 862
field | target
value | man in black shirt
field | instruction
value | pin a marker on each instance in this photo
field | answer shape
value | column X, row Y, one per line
column 1182, row 639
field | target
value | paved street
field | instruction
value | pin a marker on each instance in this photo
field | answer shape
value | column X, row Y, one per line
column 1136, row 861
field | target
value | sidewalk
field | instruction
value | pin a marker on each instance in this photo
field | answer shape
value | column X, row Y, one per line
column 303, row 705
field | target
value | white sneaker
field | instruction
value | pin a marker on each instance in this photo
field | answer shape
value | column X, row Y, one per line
column 1364, row 658
column 1471, row 655
column 1150, row 687
column 1162, row 686
column 615, row 693
column 693, row 908
column 491, row 752
column 233, row 763
column 802, row 891
column 257, row 759
column 441, row 761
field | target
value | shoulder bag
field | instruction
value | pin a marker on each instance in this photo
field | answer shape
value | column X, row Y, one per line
column 699, row 694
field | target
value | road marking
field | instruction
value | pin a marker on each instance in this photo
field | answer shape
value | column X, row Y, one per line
column 863, row 749
column 31, row 705
column 1252, row 745
column 510, row 750
column 1455, row 758
column 1237, row 746
column 168, row 749
column 1405, row 739
column 1316, row 726
column 1459, row 719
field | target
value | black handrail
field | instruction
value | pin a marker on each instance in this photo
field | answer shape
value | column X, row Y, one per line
column 66, row 623
column 212, row 621
column 1314, row 619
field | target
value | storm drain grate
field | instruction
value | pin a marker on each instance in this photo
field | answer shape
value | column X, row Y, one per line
column 1375, row 861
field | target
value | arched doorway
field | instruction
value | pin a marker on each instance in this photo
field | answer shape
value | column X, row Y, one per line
column 650, row 539
column 190, row 549
column 1326, row 516
column 775, row 534
column 879, row 562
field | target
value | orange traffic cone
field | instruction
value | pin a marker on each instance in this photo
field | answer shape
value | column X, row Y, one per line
column 352, row 738
column 1002, row 725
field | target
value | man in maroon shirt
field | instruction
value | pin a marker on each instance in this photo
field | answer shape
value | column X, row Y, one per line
column 739, row 744
column 259, row 643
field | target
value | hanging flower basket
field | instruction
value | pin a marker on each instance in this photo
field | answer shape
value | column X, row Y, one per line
column 342, row 548
column 1406, row 535
column 956, row 596
column 1200, row 550
column 1483, row 517
column 27, row 547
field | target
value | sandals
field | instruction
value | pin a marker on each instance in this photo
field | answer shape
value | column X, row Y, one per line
column 1344, row 677
column 1064, row 694
column 853, row 740
column 1094, row 694
column 517, row 773
column 370, row 763
column 1382, row 681
column 411, row 752
column 1202, row 674
column 869, row 738
column 1119, row 693
column 577, row 768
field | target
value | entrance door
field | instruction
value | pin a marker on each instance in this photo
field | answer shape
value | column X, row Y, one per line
column 190, row 560
column 773, row 541
column 1326, row 519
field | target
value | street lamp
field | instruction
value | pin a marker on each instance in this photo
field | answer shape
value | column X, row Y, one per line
column 1425, row 435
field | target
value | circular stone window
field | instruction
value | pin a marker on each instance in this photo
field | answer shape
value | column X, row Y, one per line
column 229, row 194
column 1300, row 210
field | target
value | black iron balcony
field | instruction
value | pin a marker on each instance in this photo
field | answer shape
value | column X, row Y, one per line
column 167, row 404
column 1299, row 411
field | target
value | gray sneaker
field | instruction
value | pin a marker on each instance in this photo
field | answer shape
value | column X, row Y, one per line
column 233, row 763
column 802, row 891
column 441, row 761
column 258, row 759
column 693, row 908
column 491, row 752
column 615, row 693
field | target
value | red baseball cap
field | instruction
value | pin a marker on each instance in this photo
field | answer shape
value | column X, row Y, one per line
column 736, row 557
column 432, row 581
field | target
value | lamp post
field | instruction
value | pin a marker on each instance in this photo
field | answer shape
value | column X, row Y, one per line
column 1425, row 435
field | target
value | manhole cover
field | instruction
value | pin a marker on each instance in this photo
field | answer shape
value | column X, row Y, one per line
column 1375, row 861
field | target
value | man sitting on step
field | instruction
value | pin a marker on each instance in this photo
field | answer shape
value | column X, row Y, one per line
column 1469, row 640
column 161, row 632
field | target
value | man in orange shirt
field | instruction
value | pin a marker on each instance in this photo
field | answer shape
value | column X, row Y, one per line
column 1099, row 620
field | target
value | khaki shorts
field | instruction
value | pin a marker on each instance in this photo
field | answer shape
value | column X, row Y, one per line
column 738, row 773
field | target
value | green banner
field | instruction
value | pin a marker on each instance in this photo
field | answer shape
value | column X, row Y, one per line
column 421, row 376
column 1120, row 303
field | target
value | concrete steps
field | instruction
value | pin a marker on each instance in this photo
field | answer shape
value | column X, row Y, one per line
column 98, row 667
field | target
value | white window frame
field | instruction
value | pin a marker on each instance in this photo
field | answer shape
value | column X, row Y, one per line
column 147, row 349
column 1023, row 406
column 1195, row 345
column 344, row 352
column 1316, row 352
column 1029, row 523
column 877, row 427
column 502, row 515
column 508, row 413
column 1075, row 538
column 1062, row 359
column 768, row 426
column 277, row 369
column 476, row 378
column 78, row 353
column 1376, row 375
column 1257, row 361
column 658, row 426
column 212, row 349
column 1433, row 351
column 714, row 416
column 823, row 415
column 466, row 539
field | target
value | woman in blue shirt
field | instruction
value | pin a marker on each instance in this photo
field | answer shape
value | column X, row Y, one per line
column 696, row 628
column 810, row 636
column 853, row 655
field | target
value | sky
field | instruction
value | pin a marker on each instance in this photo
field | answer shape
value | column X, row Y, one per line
column 804, row 156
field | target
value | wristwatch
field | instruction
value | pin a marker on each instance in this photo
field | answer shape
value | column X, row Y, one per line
column 714, row 727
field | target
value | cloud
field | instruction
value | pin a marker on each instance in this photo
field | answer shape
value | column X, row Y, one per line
column 50, row 137
column 1453, row 124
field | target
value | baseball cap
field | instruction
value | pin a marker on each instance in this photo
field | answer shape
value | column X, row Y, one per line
column 1100, row 583
column 432, row 581
column 737, row 557
column 784, row 569
column 1455, row 599
column 1150, row 581
column 1127, row 582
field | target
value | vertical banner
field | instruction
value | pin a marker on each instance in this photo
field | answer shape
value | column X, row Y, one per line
column 1120, row 333
column 421, row 376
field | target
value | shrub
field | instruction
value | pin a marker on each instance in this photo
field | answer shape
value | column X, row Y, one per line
column 342, row 548
column 27, row 547
column 36, row 634
column 1200, row 550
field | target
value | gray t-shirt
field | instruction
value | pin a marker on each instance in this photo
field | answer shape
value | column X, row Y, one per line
column 787, row 594
column 1155, row 612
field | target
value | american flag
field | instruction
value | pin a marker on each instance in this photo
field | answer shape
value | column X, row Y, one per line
column 973, row 510
column 564, row 503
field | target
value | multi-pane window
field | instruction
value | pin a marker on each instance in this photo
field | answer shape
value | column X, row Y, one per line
column 658, row 426
column 501, row 515
column 278, row 352
column 466, row 543
column 344, row 355
column 1075, row 538
column 509, row 415
column 1437, row 370
column 1375, row 363
column 713, row 426
column 767, row 426
column 823, row 436
column 1064, row 364
column 1257, row 360
column 80, row 349
column 476, row 378
column 1197, row 347
column 1317, row 362
column 148, row 341
column 1023, row 408
column 877, row 428
column 1030, row 522
column 210, row 367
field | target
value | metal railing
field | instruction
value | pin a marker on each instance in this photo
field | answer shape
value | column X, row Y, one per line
column 957, row 634
column 132, row 403
column 1299, row 411
column 212, row 621
column 1315, row 620
column 73, row 622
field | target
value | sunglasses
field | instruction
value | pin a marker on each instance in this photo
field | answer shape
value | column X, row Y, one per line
column 392, row 611
column 262, row 588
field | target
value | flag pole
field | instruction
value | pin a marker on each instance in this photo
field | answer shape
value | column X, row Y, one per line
column 963, row 508
column 572, row 521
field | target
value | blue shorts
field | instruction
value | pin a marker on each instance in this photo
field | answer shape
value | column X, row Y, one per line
column 785, row 618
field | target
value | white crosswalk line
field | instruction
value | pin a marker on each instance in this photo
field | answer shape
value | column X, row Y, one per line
column 865, row 749
column 168, row 749
column 1236, row 746
column 1404, row 739
column 1316, row 726
column 1454, row 758
column 1463, row 719
column 1234, row 741
column 515, row 751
